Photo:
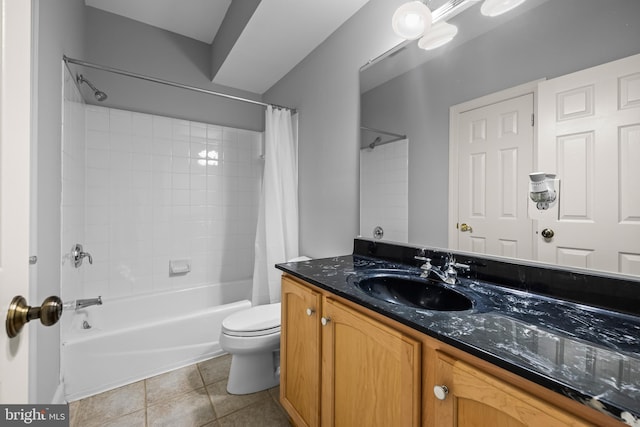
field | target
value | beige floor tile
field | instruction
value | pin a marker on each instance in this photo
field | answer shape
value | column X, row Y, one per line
column 265, row 413
column 216, row 369
column 170, row 385
column 136, row 419
column 225, row 403
column 275, row 393
column 111, row 404
column 189, row 409
column 179, row 398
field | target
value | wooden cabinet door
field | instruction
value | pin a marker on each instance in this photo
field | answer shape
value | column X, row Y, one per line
column 476, row 399
column 300, row 353
column 371, row 374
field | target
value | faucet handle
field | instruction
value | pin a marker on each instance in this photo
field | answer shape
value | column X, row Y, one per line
column 461, row 266
column 422, row 258
column 78, row 254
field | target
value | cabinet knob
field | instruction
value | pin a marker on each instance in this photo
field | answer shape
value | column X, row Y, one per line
column 441, row 391
column 324, row 321
column 310, row 311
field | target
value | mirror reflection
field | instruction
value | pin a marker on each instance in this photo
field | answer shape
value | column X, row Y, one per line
column 523, row 61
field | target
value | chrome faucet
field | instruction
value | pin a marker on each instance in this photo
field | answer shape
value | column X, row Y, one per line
column 82, row 303
column 449, row 275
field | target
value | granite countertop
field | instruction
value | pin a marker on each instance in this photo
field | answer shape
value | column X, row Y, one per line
column 589, row 354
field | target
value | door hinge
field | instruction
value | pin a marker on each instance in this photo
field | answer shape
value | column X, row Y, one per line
column 533, row 120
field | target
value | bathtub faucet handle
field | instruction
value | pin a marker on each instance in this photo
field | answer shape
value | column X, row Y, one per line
column 78, row 254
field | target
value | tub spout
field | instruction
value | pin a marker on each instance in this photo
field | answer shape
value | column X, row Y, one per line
column 82, row 303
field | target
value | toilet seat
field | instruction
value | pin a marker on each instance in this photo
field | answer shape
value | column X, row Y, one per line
column 255, row 321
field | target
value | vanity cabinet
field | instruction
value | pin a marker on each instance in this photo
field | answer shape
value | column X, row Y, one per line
column 348, row 367
column 345, row 365
column 300, row 353
column 370, row 372
column 467, row 397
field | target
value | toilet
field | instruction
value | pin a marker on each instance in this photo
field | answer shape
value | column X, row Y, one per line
column 252, row 337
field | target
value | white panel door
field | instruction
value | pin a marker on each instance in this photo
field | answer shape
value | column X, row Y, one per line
column 589, row 135
column 15, row 118
column 495, row 154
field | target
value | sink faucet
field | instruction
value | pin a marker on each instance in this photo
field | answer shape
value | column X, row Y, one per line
column 82, row 303
column 447, row 274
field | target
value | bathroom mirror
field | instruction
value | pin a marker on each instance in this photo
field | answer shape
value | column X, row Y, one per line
column 409, row 91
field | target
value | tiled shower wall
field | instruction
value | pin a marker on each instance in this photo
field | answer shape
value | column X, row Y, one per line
column 384, row 190
column 159, row 189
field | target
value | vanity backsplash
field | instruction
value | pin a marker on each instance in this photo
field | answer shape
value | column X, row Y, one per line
column 617, row 293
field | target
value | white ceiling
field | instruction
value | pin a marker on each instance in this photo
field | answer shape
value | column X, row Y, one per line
column 197, row 19
column 277, row 37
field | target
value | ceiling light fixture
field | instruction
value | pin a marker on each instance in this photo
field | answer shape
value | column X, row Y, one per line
column 498, row 7
column 411, row 20
column 440, row 34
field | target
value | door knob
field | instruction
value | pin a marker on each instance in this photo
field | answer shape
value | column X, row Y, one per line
column 441, row 391
column 20, row 313
column 547, row 233
column 465, row 227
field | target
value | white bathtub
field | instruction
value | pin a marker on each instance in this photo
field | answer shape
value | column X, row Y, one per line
column 138, row 337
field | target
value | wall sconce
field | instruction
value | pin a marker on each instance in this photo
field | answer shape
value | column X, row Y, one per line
column 414, row 19
column 498, row 7
column 411, row 20
column 542, row 189
column 439, row 35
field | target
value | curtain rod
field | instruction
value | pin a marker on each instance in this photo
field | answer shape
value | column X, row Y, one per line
column 397, row 135
column 68, row 60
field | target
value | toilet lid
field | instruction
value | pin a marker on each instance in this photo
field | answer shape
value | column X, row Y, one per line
column 258, row 320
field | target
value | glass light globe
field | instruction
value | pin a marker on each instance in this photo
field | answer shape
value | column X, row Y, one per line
column 498, row 7
column 440, row 34
column 411, row 20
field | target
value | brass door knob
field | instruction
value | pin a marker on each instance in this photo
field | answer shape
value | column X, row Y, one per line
column 20, row 313
column 465, row 227
column 547, row 233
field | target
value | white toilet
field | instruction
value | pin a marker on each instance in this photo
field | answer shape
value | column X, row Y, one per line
column 252, row 337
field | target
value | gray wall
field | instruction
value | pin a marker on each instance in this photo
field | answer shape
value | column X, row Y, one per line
column 129, row 45
column 59, row 30
column 325, row 90
column 557, row 38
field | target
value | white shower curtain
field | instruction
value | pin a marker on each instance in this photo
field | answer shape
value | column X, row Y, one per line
column 277, row 231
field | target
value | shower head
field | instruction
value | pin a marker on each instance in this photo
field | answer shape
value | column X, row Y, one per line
column 100, row 95
column 375, row 142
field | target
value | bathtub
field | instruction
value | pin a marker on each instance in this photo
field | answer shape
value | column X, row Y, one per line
column 138, row 337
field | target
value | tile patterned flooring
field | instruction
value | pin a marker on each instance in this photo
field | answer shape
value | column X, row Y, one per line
column 192, row 396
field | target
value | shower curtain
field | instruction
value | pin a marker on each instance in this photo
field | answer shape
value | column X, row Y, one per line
column 277, row 230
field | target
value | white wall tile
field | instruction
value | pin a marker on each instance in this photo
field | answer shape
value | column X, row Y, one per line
column 97, row 118
column 142, row 125
column 156, row 189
